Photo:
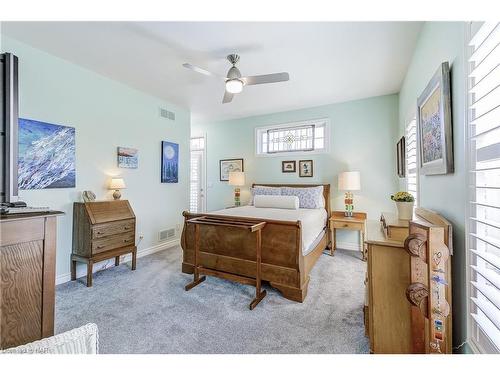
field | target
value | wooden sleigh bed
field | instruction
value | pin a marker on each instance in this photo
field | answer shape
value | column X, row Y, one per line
column 232, row 251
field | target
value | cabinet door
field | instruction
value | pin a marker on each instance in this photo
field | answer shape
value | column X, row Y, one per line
column 20, row 293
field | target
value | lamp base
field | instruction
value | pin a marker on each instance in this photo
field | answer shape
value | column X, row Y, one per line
column 117, row 195
column 237, row 201
column 349, row 204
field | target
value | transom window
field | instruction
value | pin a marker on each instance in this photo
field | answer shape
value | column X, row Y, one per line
column 299, row 137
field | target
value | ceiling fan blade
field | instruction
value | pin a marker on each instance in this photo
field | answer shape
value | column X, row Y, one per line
column 266, row 78
column 200, row 70
column 227, row 97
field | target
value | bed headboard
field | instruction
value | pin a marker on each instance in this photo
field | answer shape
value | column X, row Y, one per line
column 326, row 192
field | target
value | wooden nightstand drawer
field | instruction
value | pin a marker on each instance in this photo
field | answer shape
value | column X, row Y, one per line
column 104, row 230
column 112, row 242
column 346, row 225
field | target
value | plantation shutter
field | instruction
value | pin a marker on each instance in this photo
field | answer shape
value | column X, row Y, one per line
column 411, row 159
column 484, row 221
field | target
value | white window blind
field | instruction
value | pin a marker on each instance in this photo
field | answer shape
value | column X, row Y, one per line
column 293, row 138
column 484, row 221
column 411, row 159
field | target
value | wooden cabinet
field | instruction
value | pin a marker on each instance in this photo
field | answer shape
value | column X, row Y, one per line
column 399, row 313
column 356, row 222
column 27, row 277
column 102, row 230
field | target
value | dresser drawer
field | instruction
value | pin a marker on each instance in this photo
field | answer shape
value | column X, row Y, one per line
column 113, row 242
column 104, row 230
column 346, row 225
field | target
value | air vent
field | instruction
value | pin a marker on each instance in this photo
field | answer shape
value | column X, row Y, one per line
column 166, row 234
column 167, row 114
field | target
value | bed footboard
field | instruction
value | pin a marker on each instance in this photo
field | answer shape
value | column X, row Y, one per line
column 226, row 249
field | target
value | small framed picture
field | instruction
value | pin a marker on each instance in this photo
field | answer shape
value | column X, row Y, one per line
column 229, row 165
column 288, row 166
column 305, row 168
column 401, row 151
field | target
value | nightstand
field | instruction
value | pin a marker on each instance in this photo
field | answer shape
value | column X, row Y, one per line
column 356, row 222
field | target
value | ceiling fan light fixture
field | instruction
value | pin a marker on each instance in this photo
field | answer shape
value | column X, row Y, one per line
column 234, row 86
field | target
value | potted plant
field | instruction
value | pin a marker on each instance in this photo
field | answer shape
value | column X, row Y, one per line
column 404, row 203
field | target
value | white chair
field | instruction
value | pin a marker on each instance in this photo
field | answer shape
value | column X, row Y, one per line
column 82, row 340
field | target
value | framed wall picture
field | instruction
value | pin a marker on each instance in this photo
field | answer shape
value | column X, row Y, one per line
column 229, row 165
column 46, row 155
column 169, row 162
column 288, row 166
column 435, row 137
column 305, row 168
column 401, row 153
column 127, row 157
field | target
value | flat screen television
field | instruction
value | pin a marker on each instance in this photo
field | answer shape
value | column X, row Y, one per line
column 9, row 109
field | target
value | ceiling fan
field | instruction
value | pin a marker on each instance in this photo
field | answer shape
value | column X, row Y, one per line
column 234, row 80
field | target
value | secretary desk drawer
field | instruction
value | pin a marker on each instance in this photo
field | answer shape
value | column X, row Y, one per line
column 113, row 242
column 109, row 229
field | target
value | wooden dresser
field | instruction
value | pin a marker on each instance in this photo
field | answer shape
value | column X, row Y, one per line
column 102, row 230
column 27, row 277
column 400, row 311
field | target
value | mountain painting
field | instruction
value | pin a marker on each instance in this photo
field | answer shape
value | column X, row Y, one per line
column 169, row 162
column 46, row 155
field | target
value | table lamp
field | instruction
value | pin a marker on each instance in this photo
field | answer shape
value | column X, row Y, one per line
column 116, row 184
column 349, row 181
column 237, row 179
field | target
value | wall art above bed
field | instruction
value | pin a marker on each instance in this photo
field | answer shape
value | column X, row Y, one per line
column 229, row 165
column 46, row 155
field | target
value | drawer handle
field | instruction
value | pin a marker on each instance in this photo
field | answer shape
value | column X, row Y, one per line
column 126, row 240
column 100, row 247
column 346, row 225
column 126, row 228
column 99, row 233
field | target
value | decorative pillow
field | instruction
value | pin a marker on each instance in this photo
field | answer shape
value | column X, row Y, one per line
column 264, row 190
column 310, row 197
column 277, row 201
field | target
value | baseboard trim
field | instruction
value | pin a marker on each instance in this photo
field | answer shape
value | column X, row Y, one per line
column 80, row 272
column 348, row 246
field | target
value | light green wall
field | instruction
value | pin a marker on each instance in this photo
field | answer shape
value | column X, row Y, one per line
column 446, row 194
column 106, row 114
column 363, row 134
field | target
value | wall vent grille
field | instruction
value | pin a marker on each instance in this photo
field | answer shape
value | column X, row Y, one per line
column 167, row 234
column 165, row 113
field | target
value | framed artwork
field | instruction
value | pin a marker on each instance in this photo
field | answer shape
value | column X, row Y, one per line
column 169, row 162
column 305, row 168
column 46, row 155
column 434, row 126
column 229, row 165
column 401, row 156
column 127, row 158
column 288, row 166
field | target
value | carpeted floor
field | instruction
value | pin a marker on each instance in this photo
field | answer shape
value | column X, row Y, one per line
column 148, row 311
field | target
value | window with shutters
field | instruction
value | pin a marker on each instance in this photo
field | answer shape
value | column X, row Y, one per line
column 411, row 159
column 483, row 135
column 306, row 137
column 196, row 192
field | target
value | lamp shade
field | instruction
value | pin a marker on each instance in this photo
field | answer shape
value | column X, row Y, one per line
column 350, row 181
column 117, row 183
column 237, row 178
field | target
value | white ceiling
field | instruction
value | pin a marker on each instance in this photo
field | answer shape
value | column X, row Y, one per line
column 328, row 62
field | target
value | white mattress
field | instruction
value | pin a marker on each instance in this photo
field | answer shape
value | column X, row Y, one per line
column 313, row 220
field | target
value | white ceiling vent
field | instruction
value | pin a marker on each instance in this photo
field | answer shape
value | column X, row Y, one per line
column 167, row 114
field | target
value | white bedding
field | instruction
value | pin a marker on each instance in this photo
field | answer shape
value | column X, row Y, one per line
column 313, row 220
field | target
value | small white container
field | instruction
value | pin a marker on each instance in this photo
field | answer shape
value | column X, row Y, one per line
column 405, row 210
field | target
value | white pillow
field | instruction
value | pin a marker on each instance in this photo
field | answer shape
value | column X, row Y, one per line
column 276, row 201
